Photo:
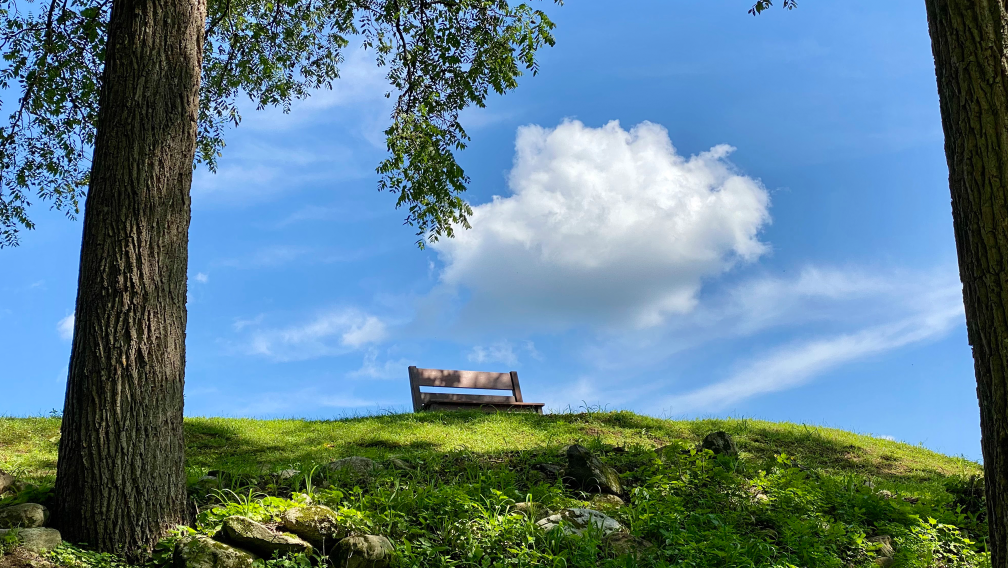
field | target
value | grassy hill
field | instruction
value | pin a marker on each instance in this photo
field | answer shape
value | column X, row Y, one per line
column 795, row 496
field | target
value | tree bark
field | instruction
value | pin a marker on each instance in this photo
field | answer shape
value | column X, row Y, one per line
column 969, row 39
column 121, row 476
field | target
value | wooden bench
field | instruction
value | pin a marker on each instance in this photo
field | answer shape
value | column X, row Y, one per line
column 467, row 380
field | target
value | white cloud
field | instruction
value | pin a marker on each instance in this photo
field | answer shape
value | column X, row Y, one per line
column 370, row 330
column 389, row 369
column 928, row 312
column 605, row 227
column 331, row 333
column 65, row 327
column 241, row 324
column 500, row 352
column 359, row 93
column 202, row 278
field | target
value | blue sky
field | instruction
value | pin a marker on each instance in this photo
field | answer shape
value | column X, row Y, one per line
column 688, row 212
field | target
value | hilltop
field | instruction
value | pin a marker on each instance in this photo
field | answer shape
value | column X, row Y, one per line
column 446, row 489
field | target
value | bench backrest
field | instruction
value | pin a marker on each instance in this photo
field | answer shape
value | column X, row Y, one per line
column 462, row 380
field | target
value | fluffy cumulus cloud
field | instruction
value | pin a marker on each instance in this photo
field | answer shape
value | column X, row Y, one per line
column 330, row 333
column 604, row 226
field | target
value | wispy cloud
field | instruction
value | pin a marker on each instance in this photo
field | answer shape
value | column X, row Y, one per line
column 65, row 327
column 330, row 333
column 202, row 277
column 388, row 369
column 928, row 315
column 267, row 257
column 500, row 352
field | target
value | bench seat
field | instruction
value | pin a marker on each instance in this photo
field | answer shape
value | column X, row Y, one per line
column 443, row 378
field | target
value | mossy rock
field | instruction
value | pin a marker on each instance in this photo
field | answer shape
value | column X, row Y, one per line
column 25, row 515
column 199, row 551
column 35, row 540
column 590, row 474
column 249, row 534
column 317, row 524
column 367, row 551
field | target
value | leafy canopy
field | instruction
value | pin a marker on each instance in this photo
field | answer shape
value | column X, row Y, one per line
column 442, row 56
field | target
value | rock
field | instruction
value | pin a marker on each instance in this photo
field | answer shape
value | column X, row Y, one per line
column 368, row 551
column 576, row 521
column 606, row 501
column 590, row 473
column 317, row 524
column 37, row 539
column 883, row 550
column 6, row 481
column 625, row 543
column 912, row 500
column 549, row 469
column 531, row 510
column 885, row 494
column 720, row 443
column 288, row 474
column 356, row 465
column 199, row 551
column 249, row 534
column 25, row 515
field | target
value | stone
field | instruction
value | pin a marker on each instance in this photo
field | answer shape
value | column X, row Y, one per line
column 25, row 515
column 576, row 521
column 883, row 550
column 624, row 543
column 6, row 481
column 356, row 465
column 590, row 473
column 255, row 537
column 288, row 474
column 531, row 510
column 317, row 524
column 606, row 501
column 885, row 494
column 37, row 539
column 199, row 551
column 720, row 443
column 367, row 551
column 550, row 469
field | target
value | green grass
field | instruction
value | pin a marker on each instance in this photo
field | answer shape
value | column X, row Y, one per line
column 451, row 510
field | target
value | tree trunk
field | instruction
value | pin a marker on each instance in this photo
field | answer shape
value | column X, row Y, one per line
column 121, row 476
column 969, row 39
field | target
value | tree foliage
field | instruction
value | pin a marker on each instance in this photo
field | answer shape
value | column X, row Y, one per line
column 762, row 5
column 441, row 55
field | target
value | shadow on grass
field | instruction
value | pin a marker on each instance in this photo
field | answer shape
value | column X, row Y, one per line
column 254, row 445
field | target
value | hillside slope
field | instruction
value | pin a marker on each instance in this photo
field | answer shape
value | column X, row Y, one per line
column 447, row 484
